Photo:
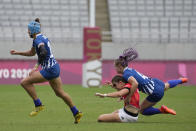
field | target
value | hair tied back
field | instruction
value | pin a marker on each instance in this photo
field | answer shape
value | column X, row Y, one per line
column 129, row 54
column 37, row 20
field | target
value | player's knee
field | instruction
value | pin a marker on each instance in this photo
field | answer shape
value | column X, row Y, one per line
column 100, row 119
column 24, row 83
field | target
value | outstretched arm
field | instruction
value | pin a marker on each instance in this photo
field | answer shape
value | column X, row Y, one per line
column 114, row 94
column 30, row 52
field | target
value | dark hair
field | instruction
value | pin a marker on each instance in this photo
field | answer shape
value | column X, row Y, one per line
column 37, row 20
column 118, row 78
column 122, row 62
column 128, row 55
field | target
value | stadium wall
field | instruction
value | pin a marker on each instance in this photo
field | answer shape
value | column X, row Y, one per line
column 149, row 51
column 110, row 51
column 12, row 71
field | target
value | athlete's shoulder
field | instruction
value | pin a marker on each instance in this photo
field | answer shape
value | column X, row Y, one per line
column 127, row 85
column 43, row 36
column 38, row 39
column 127, row 72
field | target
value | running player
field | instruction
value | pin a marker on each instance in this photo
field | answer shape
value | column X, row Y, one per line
column 129, row 113
column 153, row 87
column 50, row 70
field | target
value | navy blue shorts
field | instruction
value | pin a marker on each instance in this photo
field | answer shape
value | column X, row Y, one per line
column 51, row 73
column 158, row 92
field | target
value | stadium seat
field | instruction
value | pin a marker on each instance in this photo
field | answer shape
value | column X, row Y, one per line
column 53, row 14
column 164, row 21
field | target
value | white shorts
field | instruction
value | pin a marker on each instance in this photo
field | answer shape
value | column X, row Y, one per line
column 124, row 117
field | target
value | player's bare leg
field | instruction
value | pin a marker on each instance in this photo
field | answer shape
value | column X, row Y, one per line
column 146, row 104
column 56, row 85
column 27, row 84
column 112, row 117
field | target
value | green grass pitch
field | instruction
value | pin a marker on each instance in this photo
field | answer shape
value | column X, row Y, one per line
column 15, row 106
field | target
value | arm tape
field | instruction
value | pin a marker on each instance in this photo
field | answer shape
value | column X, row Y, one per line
column 43, row 53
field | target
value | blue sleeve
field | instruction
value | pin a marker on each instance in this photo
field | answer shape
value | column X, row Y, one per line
column 36, row 42
column 126, row 76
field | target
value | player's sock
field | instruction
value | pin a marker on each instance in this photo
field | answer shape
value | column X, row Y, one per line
column 151, row 111
column 74, row 110
column 37, row 102
column 173, row 83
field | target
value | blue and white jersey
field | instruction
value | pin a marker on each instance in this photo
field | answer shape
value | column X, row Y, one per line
column 49, row 60
column 145, row 84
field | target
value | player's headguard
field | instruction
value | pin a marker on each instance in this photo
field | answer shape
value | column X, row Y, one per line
column 34, row 27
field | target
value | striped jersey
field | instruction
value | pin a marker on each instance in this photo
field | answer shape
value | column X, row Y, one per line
column 49, row 60
column 145, row 84
column 135, row 98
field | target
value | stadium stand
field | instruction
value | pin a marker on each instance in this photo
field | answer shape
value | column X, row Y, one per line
column 153, row 21
column 63, row 20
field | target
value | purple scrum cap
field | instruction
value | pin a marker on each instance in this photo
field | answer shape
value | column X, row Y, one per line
column 129, row 54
